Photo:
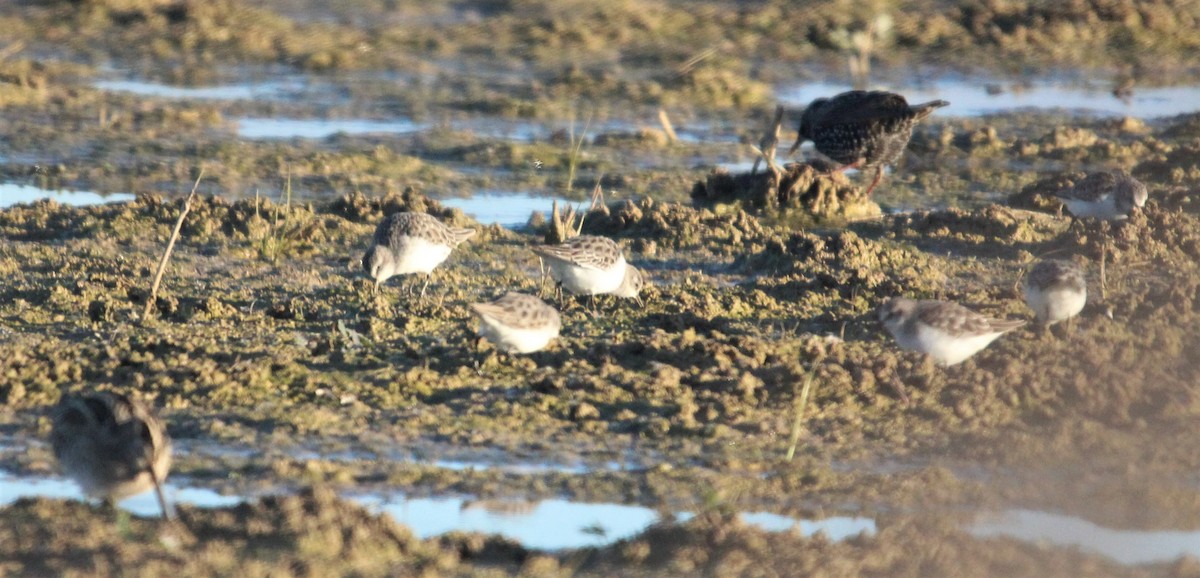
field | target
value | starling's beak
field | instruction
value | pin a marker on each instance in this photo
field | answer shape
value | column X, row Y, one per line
column 638, row 298
column 796, row 145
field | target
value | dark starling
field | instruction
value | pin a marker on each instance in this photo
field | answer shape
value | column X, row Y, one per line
column 862, row 129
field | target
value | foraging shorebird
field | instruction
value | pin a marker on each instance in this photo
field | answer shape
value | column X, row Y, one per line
column 947, row 332
column 592, row 265
column 861, row 129
column 518, row 323
column 407, row 243
column 112, row 445
column 1055, row 290
column 1108, row 195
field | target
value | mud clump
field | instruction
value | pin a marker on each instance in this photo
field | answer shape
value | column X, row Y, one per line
column 1181, row 165
column 991, row 224
column 851, row 267
column 716, row 84
column 800, row 188
column 359, row 208
column 314, row 532
column 1065, row 137
column 657, row 225
column 1154, row 232
column 716, row 544
column 1183, row 127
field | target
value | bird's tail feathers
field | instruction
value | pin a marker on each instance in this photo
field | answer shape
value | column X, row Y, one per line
column 1006, row 325
column 461, row 235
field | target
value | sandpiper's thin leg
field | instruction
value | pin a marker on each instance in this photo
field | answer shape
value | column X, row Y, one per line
column 424, row 286
column 480, row 357
column 542, row 285
column 158, row 492
column 1104, row 270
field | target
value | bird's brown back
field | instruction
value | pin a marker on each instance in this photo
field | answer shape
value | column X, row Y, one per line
column 396, row 226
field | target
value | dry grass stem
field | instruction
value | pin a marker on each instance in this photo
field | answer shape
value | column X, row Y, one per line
column 162, row 265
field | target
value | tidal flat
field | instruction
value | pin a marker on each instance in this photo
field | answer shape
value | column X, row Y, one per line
column 323, row 428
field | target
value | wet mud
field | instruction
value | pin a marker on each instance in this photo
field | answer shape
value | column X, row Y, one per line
column 266, row 332
column 286, row 379
column 316, row 534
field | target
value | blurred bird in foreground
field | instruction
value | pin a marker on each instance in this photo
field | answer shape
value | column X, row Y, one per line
column 112, row 445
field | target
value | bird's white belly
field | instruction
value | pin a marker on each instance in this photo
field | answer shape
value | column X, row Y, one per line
column 420, row 256
column 513, row 340
column 1054, row 306
column 1103, row 208
column 943, row 347
column 584, row 281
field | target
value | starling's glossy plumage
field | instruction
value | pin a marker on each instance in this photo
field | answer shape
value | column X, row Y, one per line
column 112, row 445
column 862, row 129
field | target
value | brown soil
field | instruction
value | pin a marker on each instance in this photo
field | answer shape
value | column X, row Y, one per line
column 268, row 343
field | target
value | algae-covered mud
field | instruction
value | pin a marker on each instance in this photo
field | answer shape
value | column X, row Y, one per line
column 750, row 416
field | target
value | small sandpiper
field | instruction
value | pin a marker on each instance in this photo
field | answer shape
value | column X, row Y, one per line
column 947, row 332
column 407, row 243
column 1109, row 195
column 1055, row 290
column 592, row 265
column 518, row 323
column 112, row 445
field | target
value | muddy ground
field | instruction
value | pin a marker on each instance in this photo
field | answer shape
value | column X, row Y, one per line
column 282, row 374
